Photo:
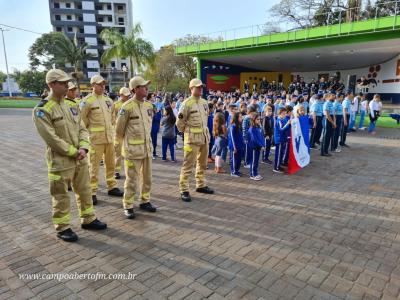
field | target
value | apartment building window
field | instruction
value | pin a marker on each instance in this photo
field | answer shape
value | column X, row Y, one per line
column 100, row 19
column 80, row 18
column 79, row 6
column 113, row 64
column 69, row 17
column 56, row 5
column 109, row 18
column 120, row 7
column 57, row 17
column 98, row 7
column 108, row 6
column 68, row 5
column 120, row 21
column 81, row 30
column 69, row 29
column 122, row 30
column 59, row 29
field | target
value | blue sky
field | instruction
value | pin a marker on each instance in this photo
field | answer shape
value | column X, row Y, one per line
column 162, row 21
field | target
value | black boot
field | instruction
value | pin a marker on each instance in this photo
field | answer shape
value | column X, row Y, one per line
column 185, row 196
column 129, row 213
column 205, row 190
column 94, row 199
column 115, row 192
column 67, row 235
column 117, row 175
column 95, row 225
column 148, row 207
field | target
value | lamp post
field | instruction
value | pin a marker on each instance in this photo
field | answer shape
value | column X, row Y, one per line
column 5, row 57
column 125, row 70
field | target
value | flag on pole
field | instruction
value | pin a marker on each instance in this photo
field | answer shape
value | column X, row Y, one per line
column 299, row 149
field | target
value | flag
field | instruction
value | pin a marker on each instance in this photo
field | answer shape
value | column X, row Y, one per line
column 299, row 149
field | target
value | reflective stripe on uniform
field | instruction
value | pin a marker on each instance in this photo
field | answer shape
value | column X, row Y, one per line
column 53, row 177
column 84, row 143
column 187, row 148
column 71, row 150
column 97, row 129
column 87, row 211
column 129, row 163
column 62, row 220
column 130, row 200
column 135, row 141
column 48, row 106
column 145, row 195
column 196, row 130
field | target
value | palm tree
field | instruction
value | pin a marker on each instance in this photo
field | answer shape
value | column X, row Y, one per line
column 131, row 46
column 69, row 51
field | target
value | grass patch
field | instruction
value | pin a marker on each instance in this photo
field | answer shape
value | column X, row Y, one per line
column 18, row 103
column 384, row 122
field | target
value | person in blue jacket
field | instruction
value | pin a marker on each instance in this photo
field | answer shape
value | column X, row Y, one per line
column 245, row 128
column 338, row 115
column 329, row 124
column 256, row 143
column 280, row 127
column 210, row 129
column 236, row 144
column 287, row 134
column 155, row 125
column 316, row 111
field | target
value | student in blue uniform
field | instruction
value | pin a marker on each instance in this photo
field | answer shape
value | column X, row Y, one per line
column 245, row 129
column 289, row 115
column 155, row 125
column 338, row 113
column 316, row 111
column 236, row 144
column 268, row 129
column 329, row 124
column 210, row 129
column 346, row 117
column 280, row 127
column 256, row 143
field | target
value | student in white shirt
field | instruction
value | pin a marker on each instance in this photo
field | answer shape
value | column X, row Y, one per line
column 375, row 108
column 353, row 112
column 363, row 112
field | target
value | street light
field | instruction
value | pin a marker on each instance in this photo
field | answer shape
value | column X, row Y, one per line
column 5, row 57
column 125, row 70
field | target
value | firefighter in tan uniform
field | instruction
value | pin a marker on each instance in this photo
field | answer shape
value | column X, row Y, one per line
column 134, row 128
column 96, row 114
column 192, row 121
column 73, row 102
column 124, row 94
column 67, row 142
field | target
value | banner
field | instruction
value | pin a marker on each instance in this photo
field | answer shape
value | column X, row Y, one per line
column 299, row 149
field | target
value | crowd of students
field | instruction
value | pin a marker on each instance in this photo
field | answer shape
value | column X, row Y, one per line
column 249, row 126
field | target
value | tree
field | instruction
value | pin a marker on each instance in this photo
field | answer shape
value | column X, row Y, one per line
column 42, row 53
column 191, row 39
column 3, row 77
column 138, row 51
column 31, row 81
column 170, row 72
column 68, row 51
column 310, row 13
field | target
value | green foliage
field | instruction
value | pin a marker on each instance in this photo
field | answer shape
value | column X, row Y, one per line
column 42, row 53
column 138, row 51
column 31, row 81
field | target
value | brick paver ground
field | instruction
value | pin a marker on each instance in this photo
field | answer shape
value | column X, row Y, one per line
column 329, row 232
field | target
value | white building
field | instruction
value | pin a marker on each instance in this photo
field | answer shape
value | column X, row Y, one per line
column 87, row 19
